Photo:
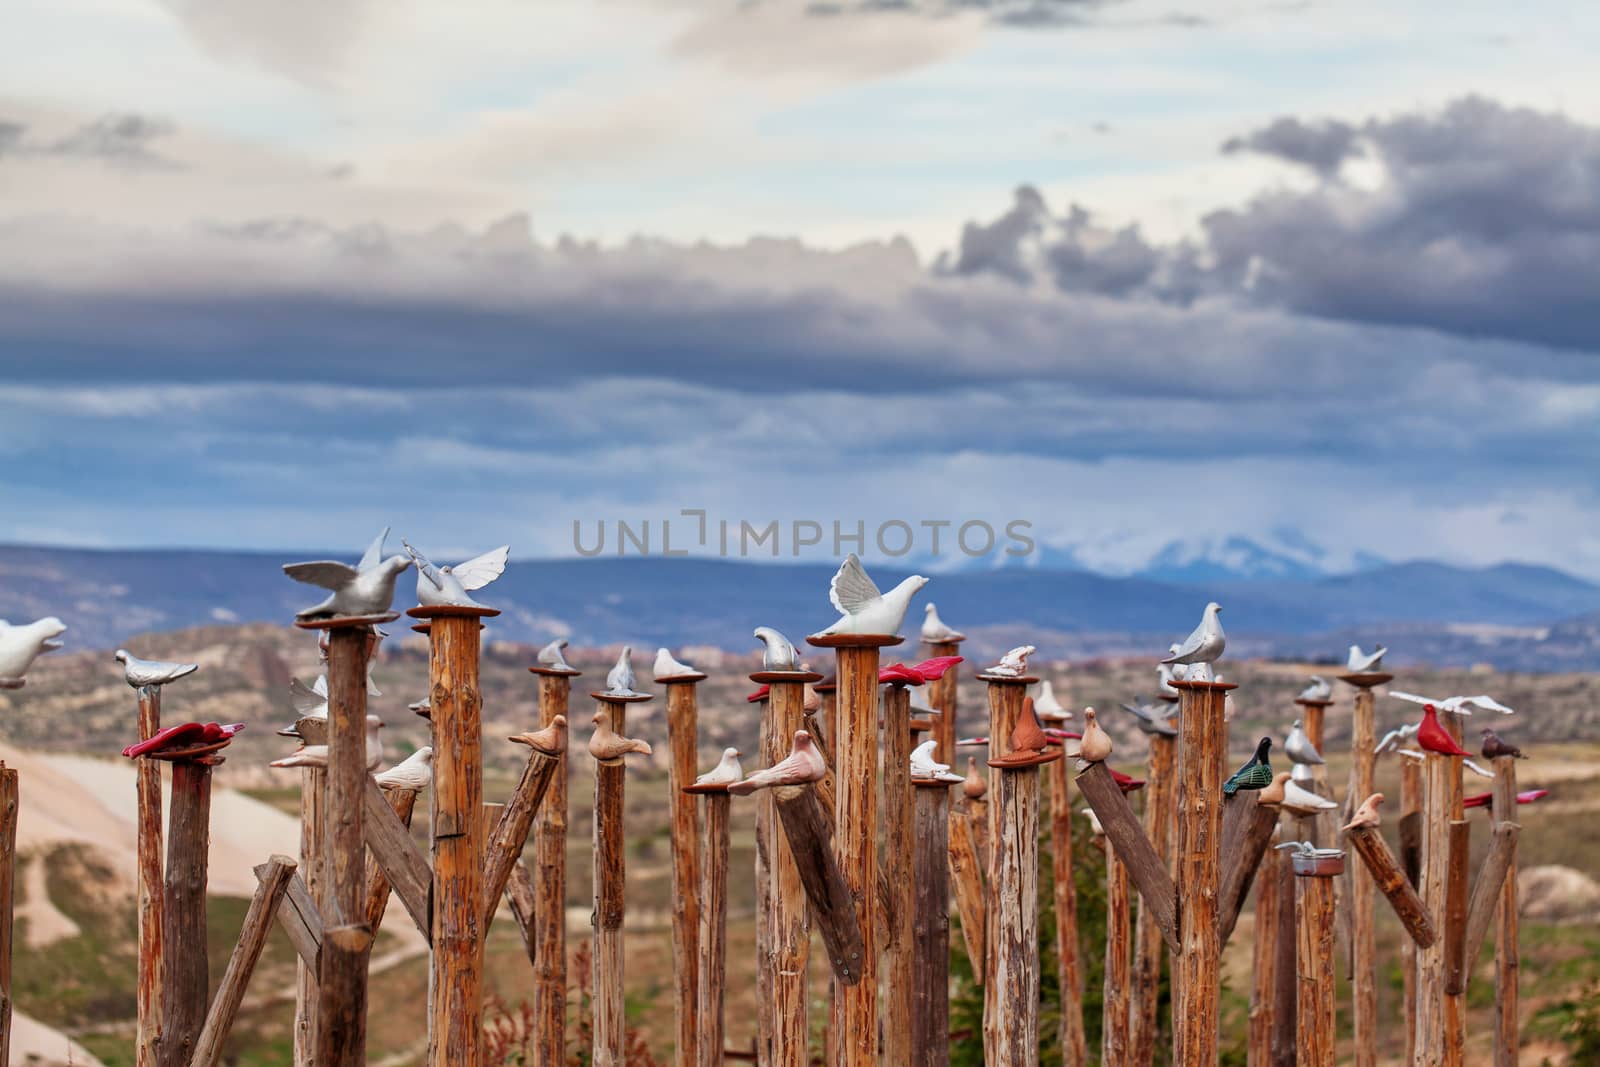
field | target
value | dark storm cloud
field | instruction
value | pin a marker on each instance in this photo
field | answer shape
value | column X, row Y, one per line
column 1322, row 146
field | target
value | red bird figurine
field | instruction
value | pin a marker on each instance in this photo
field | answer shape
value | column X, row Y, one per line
column 184, row 735
column 1435, row 738
column 1125, row 782
column 1484, row 800
column 929, row 670
column 759, row 695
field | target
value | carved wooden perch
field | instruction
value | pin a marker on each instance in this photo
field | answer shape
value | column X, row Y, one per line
column 1485, row 896
column 510, row 834
column 1393, row 884
column 402, row 863
column 805, row 825
column 1147, row 870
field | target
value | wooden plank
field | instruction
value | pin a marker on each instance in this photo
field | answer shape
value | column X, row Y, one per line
column 1286, row 993
column 242, row 964
column 1455, row 924
column 1195, row 978
column 183, row 1004
column 1146, row 869
column 524, row 901
column 782, row 896
column 808, row 838
column 510, row 833
column 1411, row 864
column 855, row 1007
column 313, row 878
column 966, row 875
column 1256, row 822
column 1362, row 892
column 610, row 902
column 1435, row 865
column 398, row 856
column 1391, row 881
column 301, row 921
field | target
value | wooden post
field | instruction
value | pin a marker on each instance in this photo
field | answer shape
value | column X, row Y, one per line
column 242, row 964
column 183, row 1005
column 930, row 931
column 1392, row 883
column 855, row 1008
column 404, row 803
column 1455, row 924
column 508, row 832
column 1121, row 826
column 943, row 698
column 808, row 832
column 1196, row 981
column 1264, row 972
column 1015, row 1030
column 1006, row 695
column 10, row 798
column 683, row 714
column 1244, row 847
column 1069, row 972
column 150, row 892
column 1430, row 1043
column 1285, row 997
column 455, row 976
column 780, row 895
column 1507, row 955
column 1314, row 951
column 1485, row 901
column 1362, row 907
column 898, row 868
column 549, row 954
column 713, row 929
column 1114, row 1031
column 1411, row 864
column 313, row 872
column 1158, row 809
column 610, row 883
column 343, row 1036
column 966, row 874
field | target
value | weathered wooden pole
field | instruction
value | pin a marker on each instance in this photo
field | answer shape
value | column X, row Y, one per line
column 1069, row 971
column 1006, row 694
column 10, row 798
column 1114, row 1044
column 150, row 892
column 780, row 896
column 898, row 864
column 1391, row 881
column 1455, row 923
column 1430, row 1043
column 1315, row 1001
column 1158, row 810
column 1264, row 975
column 1411, row 864
column 183, row 1004
column 1195, row 971
column 1286, row 992
column 943, row 697
column 713, row 928
column 682, row 733
column 313, row 872
column 403, row 802
column 966, row 870
column 855, row 1007
column 1363, row 936
column 1013, row 1029
column 1507, row 955
column 455, row 976
column 930, row 931
column 242, row 964
column 610, row 882
column 549, row 948
column 506, row 833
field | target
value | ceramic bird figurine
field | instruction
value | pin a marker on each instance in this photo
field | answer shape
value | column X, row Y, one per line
column 761, row 693
column 726, row 772
column 925, row 768
column 1202, row 647
column 1367, row 813
column 804, row 763
column 448, row 587
column 145, row 673
column 184, row 736
column 864, row 610
column 1318, row 689
column 1435, row 738
column 1151, row 719
column 1495, row 746
column 551, row 740
column 667, row 667
column 1484, row 800
column 1306, row 848
column 1029, row 744
column 608, row 746
column 1302, row 773
column 620, row 680
column 1165, row 673
column 1298, row 747
column 1095, row 827
column 312, row 702
column 934, row 630
column 1392, row 740
column 1273, row 793
column 778, row 653
column 1256, row 772
column 21, row 645
column 1095, row 745
column 317, row 755
column 1477, row 769
column 412, row 773
column 1046, row 706
column 309, row 729
column 1359, row 662
column 975, row 784
column 929, row 670
column 1013, row 664
column 365, row 589
column 1458, row 705
column 553, row 655
column 1126, row 782
column 1299, row 800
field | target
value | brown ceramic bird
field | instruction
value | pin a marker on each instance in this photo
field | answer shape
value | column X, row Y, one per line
column 1495, row 746
column 804, row 763
column 1273, row 794
column 1029, row 745
column 976, row 784
column 552, row 740
column 608, row 746
column 1367, row 813
column 1095, row 744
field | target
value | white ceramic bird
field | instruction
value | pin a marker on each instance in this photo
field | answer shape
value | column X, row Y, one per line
column 1047, row 707
column 1359, row 662
column 1094, row 822
column 1457, row 705
column 862, row 608
column 1306, row 848
column 1013, row 664
column 1202, row 647
column 934, row 630
column 667, row 667
column 365, row 589
column 553, row 657
column 779, row 653
column 312, row 702
column 1298, row 747
column 1318, row 689
column 317, row 755
column 804, row 763
column 413, row 773
column 726, row 772
column 1302, row 801
column 925, row 768
column 1302, row 773
column 1153, row 719
column 449, row 586
column 620, row 680
column 21, row 645
column 1165, row 674
column 1392, row 740
column 146, row 673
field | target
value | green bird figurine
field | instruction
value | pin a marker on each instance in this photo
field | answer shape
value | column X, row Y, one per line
column 1256, row 774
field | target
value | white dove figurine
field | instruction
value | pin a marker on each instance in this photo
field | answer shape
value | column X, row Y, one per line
column 1202, row 647
column 1317, row 689
column 1298, row 747
column 620, row 680
column 925, row 768
column 1360, row 662
column 1457, row 705
column 726, row 772
column 1013, row 664
column 864, row 610
column 1047, row 707
column 1302, row 801
column 317, row 755
column 365, row 589
column 778, row 653
column 553, row 656
column 1392, row 740
column 412, row 773
column 934, row 630
column 312, row 702
column 146, row 674
column 21, row 645
column 448, row 587
column 667, row 667
column 1165, row 673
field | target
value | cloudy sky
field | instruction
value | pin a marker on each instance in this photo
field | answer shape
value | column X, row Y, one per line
column 277, row 272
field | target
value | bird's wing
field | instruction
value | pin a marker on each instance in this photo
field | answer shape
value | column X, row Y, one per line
column 479, row 571
column 320, row 686
column 374, row 554
column 325, row 572
column 1411, row 697
column 1487, row 703
column 304, row 700
column 425, row 566
column 851, row 589
column 1190, row 644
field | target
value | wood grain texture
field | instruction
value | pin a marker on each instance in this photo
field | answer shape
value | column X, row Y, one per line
column 1286, row 993
column 264, row 904
column 713, row 929
column 1314, row 1009
column 147, row 995
column 1159, row 793
column 1391, row 881
column 610, row 908
column 345, row 848
column 403, row 803
column 930, row 928
column 781, row 898
column 1487, row 889
column 1118, row 966
column 808, row 837
column 301, row 921
column 549, row 958
column 1069, row 968
column 943, row 697
column 1411, row 864
column 313, row 874
column 1362, row 892
column 899, row 856
column 1507, row 953
column 1005, row 706
column 1429, row 1046
column 1256, row 823
column 509, row 834
column 1264, row 966
column 1195, row 978
column 683, row 715
column 1455, row 925
column 1147, row 870
column 524, row 902
column 183, row 1002
column 1015, row 1034
column 10, row 800
column 855, row 1008
column 342, row 1039
column 966, row 875
column 397, row 856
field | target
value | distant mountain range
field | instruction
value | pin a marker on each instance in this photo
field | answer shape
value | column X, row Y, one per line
column 1513, row 616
